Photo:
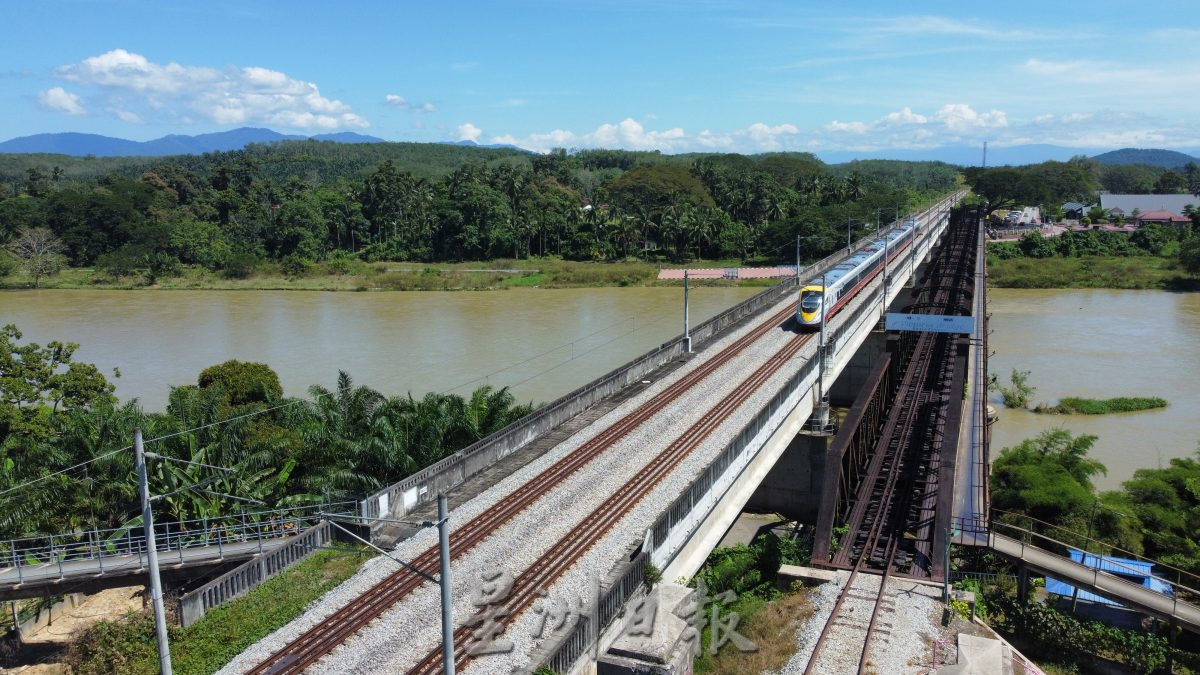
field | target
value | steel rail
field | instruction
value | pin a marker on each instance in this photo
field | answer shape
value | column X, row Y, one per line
column 567, row 551
column 323, row 637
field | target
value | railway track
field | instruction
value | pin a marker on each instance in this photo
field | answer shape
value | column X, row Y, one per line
column 568, row 550
column 323, row 637
column 337, row 628
column 892, row 507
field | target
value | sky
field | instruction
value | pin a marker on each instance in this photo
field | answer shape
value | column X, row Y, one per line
column 669, row 75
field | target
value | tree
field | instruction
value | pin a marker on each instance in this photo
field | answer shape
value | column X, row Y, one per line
column 243, row 382
column 1189, row 255
column 39, row 251
column 1048, row 477
column 1171, row 182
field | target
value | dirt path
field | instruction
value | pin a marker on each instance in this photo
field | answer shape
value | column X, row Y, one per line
column 43, row 647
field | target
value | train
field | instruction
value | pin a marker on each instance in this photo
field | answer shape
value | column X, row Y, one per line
column 819, row 302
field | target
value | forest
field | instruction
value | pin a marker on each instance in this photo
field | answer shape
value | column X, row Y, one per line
column 302, row 202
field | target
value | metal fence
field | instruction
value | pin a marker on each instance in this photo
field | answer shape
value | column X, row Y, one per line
column 171, row 538
column 244, row 578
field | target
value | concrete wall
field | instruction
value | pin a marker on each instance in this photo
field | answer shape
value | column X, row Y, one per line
column 793, row 486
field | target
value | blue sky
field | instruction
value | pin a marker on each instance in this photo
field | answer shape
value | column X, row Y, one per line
column 644, row 74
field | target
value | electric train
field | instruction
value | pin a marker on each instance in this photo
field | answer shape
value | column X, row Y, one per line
column 843, row 281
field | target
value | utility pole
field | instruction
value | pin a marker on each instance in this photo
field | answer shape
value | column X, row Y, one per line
column 687, row 336
column 156, row 595
column 822, row 409
column 1083, row 560
column 797, row 261
column 447, row 617
column 885, row 272
column 849, row 236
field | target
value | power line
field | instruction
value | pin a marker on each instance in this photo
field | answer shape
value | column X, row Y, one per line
column 62, row 471
column 152, row 440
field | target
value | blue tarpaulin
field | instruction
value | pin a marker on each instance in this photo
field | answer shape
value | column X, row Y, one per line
column 1136, row 571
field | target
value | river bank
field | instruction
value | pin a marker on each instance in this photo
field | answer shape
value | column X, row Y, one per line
column 1145, row 272
column 345, row 275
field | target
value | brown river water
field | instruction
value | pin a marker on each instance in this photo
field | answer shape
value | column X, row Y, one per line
column 541, row 342
column 544, row 343
column 1102, row 344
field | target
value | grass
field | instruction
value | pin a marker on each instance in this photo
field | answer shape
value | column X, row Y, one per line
column 390, row 276
column 1133, row 272
column 771, row 625
column 1093, row 406
column 204, row 647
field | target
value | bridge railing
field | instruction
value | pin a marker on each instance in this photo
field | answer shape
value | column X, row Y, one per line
column 1065, row 539
column 424, row 486
column 239, row 581
column 99, row 546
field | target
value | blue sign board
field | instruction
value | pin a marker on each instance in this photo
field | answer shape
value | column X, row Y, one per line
column 930, row 323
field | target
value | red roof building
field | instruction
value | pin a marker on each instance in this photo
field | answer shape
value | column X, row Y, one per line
column 1162, row 217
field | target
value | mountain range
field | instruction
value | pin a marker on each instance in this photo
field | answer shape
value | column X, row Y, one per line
column 176, row 144
column 105, row 146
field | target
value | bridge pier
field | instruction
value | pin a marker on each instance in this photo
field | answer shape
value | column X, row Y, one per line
column 793, row 486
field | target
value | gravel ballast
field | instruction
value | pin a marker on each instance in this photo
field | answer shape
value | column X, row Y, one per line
column 402, row 636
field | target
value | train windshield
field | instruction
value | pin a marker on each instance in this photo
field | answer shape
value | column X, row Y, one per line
column 810, row 301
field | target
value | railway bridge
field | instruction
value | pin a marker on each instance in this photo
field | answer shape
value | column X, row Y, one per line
column 559, row 519
column 644, row 468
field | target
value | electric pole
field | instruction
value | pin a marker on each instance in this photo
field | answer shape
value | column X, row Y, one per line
column 156, row 595
column 447, row 617
column 687, row 336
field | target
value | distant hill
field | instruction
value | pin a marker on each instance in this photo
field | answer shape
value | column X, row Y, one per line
column 1168, row 159
column 81, row 145
column 1014, row 155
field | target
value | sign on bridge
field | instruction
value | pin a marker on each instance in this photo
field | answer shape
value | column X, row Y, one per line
column 930, row 323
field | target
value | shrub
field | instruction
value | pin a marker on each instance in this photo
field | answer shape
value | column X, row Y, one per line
column 239, row 265
column 295, row 265
column 120, row 263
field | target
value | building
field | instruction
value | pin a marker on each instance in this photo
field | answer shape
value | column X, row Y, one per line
column 1143, row 203
column 1161, row 217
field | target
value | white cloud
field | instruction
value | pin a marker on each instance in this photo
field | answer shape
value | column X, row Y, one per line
column 952, row 123
column 127, row 116
column 230, row 95
column 512, row 103
column 469, row 132
column 61, row 100
column 629, row 134
column 404, row 104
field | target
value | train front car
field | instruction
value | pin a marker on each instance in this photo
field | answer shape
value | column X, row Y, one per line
column 808, row 312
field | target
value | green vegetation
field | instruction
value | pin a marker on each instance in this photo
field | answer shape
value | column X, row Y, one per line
column 1091, row 406
column 127, row 645
column 1132, row 273
column 1155, row 514
column 767, row 616
column 339, row 444
column 294, row 211
column 1017, row 395
column 1066, row 640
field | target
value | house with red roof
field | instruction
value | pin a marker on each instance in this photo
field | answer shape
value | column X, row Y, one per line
column 1161, row 217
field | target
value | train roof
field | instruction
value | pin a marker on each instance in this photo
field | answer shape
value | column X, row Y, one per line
column 861, row 256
